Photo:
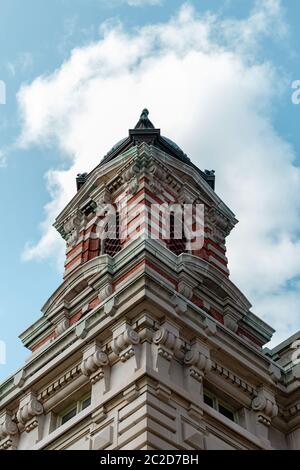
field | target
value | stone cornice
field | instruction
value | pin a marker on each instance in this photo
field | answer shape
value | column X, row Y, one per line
column 60, row 383
column 234, row 379
column 145, row 246
column 142, row 159
column 92, row 331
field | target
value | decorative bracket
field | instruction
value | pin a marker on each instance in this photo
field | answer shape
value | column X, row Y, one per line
column 95, row 364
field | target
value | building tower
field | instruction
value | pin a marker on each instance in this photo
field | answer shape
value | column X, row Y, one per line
column 147, row 344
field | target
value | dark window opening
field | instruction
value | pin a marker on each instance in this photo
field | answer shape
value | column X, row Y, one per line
column 73, row 410
column 112, row 242
column 226, row 412
column 208, row 400
column 86, row 403
column 68, row 416
column 177, row 241
column 218, row 405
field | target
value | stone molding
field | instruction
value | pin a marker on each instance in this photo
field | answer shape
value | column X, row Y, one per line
column 233, row 378
column 60, row 383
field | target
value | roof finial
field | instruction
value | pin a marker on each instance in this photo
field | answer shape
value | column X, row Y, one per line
column 144, row 122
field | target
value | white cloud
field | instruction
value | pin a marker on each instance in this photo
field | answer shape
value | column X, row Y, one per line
column 3, row 159
column 132, row 3
column 204, row 88
column 139, row 3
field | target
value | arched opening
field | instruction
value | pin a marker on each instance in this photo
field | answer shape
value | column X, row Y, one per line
column 177, row 241
column 112, row 242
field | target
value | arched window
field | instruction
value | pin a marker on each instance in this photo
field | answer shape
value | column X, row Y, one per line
column 112, row 242
column 177, row 241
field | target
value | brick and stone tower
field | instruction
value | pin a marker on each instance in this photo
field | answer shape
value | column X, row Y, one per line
column 147, row 344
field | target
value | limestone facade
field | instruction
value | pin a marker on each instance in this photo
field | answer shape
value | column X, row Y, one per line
column 146, row 345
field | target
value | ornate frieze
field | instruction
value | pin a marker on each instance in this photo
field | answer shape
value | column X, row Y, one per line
column 233, row 378
column 61, row 382
column 145, row 164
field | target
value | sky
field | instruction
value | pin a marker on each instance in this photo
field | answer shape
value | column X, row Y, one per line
column 217, row 77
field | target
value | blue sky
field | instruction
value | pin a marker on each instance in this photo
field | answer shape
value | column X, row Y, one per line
column 37, row 160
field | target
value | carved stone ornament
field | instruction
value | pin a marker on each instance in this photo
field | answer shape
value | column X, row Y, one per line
column 62, row 326
column 230, row 322
column 7, row 426
column 30, row 408
column 221, row 224
column 81, row 330
column 168, row 342
column 198, row 361
column 144, row 165
column 8, row 431
column 179, row 304
column 110, row 307
column 105, row 291
column 265, row 406
column 131, row 176
column 19, row 378
column 123, row 345
column 92, row 365
column 72, row 226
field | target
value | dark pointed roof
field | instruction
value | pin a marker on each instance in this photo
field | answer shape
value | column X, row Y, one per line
column 145, row 131
column 144, row 121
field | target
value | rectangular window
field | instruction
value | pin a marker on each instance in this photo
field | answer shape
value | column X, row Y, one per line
column 208, row 400
column 73, row 410
column 85, row 403
column 226, row 412
column 69, row 415
column 224, row 409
